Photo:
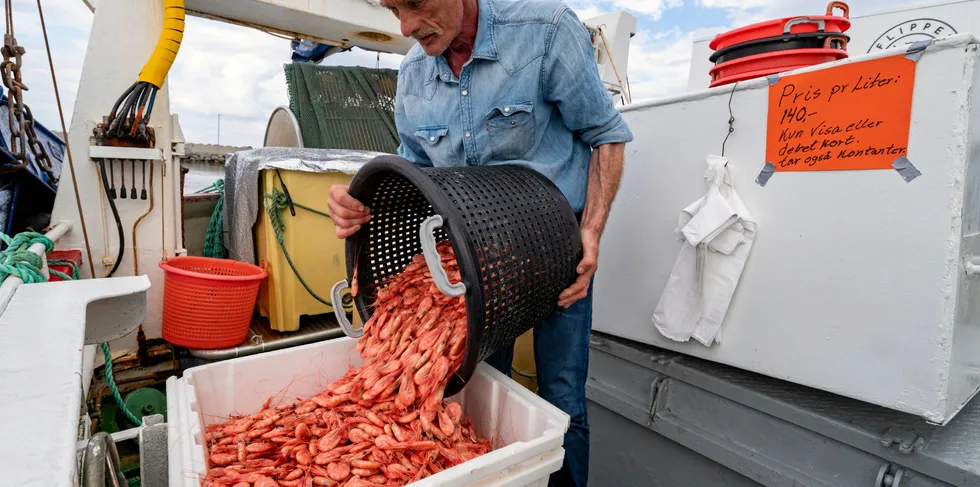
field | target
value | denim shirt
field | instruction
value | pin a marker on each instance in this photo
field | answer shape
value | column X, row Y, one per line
column 529, row 95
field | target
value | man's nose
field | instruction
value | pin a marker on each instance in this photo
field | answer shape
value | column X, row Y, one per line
column 409, row 24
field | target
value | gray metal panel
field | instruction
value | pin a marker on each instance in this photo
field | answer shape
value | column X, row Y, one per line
column 856, row 430
column 153, row 452
column 624, row 454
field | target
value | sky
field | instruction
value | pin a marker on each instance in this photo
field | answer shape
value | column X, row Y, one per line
column 236, row 72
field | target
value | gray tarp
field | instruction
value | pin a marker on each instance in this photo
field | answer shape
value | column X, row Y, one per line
column 242, row 199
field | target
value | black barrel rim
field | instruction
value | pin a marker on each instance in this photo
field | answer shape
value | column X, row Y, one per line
column 365, row 184
column 808, row 40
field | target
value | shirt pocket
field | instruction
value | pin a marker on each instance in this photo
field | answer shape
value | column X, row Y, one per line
column 437, row 144
column 512, row 130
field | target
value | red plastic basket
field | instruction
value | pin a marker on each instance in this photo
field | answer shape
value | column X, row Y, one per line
column 831, row 24
column 759, row 65
column 208, row 303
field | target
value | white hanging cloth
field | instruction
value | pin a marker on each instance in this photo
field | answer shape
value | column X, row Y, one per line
column 718, row 232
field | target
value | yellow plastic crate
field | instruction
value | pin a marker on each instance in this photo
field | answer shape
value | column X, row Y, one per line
column 524, row 361
column 311, row 242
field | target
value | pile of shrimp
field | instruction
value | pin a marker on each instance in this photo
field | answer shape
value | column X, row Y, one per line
column 383, row 423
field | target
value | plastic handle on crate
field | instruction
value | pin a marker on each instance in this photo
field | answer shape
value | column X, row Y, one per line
column 434, row 260
column 338, row 311
column 821, row 25
column 835, row 42
column 841, row 5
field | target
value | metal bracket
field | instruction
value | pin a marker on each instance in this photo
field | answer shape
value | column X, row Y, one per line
column 907, row 441
column 111, row 152
column 889, row 476
column 101, row 462
column 655, row 397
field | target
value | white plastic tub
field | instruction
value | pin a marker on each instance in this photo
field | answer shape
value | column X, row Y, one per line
column 527, row 432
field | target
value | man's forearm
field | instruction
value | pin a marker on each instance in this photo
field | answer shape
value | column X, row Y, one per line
column 605, row 173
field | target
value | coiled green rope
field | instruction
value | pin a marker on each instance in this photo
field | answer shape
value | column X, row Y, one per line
column 16, row 260
column 214, row 239
column 64, row 277
column 275, row 203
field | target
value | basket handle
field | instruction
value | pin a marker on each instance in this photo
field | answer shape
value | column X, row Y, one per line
column 821, row 25
column 841, row 5
column 434, row 260
column 338, row 311
column 828, row 43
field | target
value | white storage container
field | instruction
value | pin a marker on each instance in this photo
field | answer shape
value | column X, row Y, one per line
column 859, row 283
column 527, row 432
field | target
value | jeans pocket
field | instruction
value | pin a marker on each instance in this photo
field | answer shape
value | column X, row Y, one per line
column 437, row 144
column 511, row 130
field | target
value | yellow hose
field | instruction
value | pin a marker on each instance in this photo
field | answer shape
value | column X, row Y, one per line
column 156, row 69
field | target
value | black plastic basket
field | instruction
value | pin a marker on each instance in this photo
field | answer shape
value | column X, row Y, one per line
column 516, row 240
column 810, row 40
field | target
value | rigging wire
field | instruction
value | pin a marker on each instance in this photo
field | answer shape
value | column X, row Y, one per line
column 64, row 130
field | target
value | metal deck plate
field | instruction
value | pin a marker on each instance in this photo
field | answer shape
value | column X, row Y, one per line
column 950, row 454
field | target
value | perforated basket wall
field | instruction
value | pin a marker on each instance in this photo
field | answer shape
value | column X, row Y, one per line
column 515, row 236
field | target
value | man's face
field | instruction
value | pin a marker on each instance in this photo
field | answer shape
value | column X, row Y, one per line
column 433, row 23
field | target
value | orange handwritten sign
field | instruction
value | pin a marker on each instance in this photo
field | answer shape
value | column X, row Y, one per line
column 852, row 116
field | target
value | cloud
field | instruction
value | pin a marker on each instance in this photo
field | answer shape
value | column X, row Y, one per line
column 237, row 72
column 648, row 9
column 652, row 8
column 659, row 63
column 67, row 24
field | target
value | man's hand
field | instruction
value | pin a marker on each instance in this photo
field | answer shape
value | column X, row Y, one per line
column 586, row 269
column 347, row 213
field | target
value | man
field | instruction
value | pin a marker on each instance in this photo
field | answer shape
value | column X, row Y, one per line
column 515, row 81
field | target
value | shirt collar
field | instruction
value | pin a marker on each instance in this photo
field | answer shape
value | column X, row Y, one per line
column 483, row 48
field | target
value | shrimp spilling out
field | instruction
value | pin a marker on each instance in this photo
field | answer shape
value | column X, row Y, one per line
column 383, row 423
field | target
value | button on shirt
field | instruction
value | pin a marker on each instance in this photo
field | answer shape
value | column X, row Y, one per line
column 529, row 95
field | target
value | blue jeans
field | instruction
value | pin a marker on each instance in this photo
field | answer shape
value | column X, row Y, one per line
column 561, row 356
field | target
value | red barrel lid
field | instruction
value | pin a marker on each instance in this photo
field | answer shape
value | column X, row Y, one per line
column 828, row 23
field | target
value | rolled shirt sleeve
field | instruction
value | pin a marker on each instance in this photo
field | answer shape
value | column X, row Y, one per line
column 571, row 81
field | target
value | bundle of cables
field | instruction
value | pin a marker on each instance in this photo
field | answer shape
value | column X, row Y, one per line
column 136, row 107
column 131, row 113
